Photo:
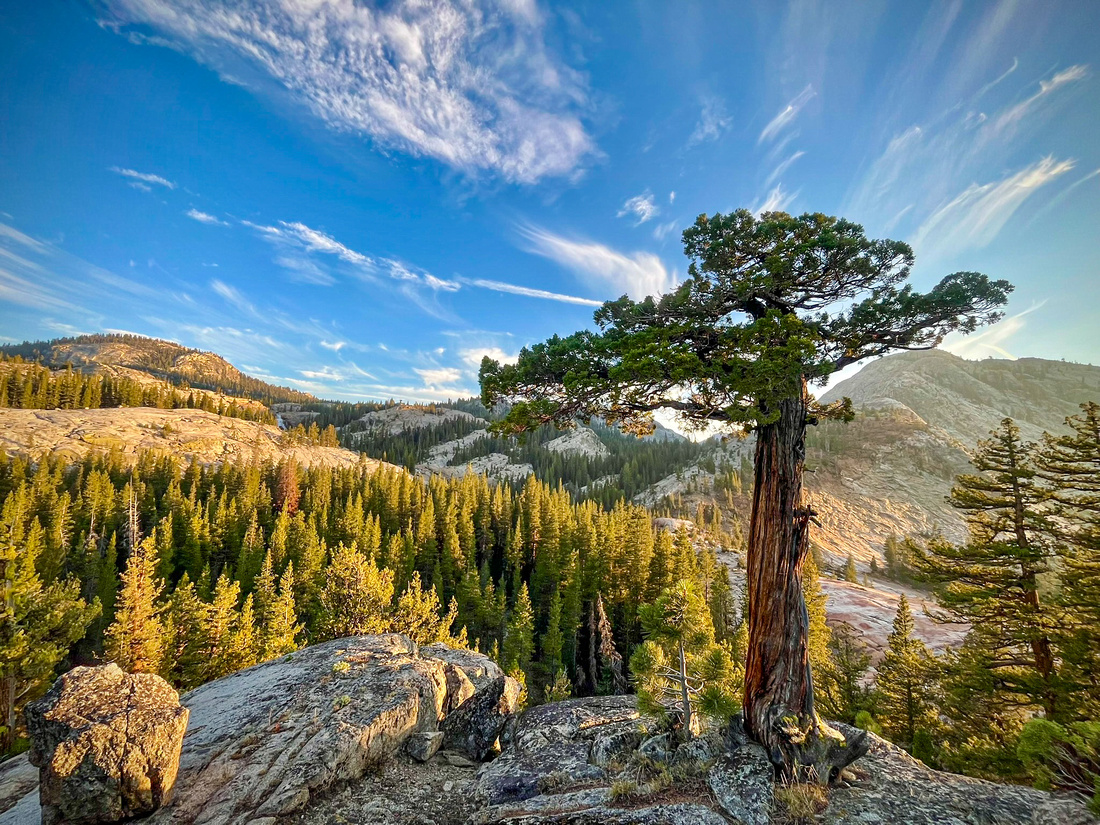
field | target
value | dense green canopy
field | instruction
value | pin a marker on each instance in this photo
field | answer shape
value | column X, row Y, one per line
column 769, row 301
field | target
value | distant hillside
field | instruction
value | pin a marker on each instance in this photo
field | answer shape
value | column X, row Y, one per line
column 162, row 359
column 966, row 399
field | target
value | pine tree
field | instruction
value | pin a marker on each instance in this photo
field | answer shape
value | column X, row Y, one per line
column 818, row 635
column 222, row 621
column 279, row 628
column 519, row 637
column 851, row 574
column 38, row 625
column 679, row 668
column 185, row 636
column 245, row 645
column 1070, row 465
column 356, row 597
column 906, row 679
column 993, row 580
column 135, row 640
column 842, row 692
column 552, row 640
column 417, row 614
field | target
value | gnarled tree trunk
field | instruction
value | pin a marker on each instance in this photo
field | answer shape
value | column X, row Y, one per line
column 779, row 695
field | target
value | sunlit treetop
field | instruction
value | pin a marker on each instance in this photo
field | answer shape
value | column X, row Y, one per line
column 769, row 302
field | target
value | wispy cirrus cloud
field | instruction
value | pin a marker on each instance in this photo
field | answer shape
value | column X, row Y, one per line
column 992, row 340
column 641, row 207
column 975, row 216
column 144, row 179
column 1014, row 114
column 638, row 274
column 203, row 217
column 233, row 296
column 783, row 166
column 713, row 121
column 785, row 117
column 777, row 200
column 470, row 83
column 917, row 174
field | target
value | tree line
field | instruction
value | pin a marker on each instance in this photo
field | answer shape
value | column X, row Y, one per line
column 162, row 360
column 31, row 386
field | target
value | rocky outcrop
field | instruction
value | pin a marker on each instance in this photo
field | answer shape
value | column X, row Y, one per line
column 581, row 441
column 888, row 785
column 561, row 745
column 107, row 744
column 266, row 741
column 337, row 732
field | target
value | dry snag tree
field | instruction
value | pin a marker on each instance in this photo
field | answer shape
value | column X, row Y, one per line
column 772, row 304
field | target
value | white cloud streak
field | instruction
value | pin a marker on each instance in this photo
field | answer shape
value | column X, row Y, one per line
column 471, row 83
column 782, row 120
column 439, row 376
column 638, row 275
column 529, row 292
column 974, row 217
column 233, row 296
column 1012, row 116
column 921, row 167
column 144, row 178
column 203, row 217
column 781, row 168
column 472, row 356
column 778, row 200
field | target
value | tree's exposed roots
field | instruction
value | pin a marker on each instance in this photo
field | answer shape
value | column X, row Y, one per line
column 817, row 753
column 812, row 753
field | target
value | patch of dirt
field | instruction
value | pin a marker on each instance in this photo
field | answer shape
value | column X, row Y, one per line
column 401, row 792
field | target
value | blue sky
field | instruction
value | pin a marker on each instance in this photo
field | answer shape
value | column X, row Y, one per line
column 361, row 199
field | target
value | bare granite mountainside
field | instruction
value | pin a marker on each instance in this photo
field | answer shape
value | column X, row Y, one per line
column 189, row 434
column 966, row 399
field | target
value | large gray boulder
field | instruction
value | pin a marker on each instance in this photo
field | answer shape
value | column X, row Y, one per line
column 107, row 745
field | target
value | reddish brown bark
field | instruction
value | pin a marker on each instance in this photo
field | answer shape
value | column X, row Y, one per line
column 779, row 695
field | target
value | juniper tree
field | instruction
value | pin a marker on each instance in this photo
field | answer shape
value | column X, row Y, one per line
column 772, row 304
